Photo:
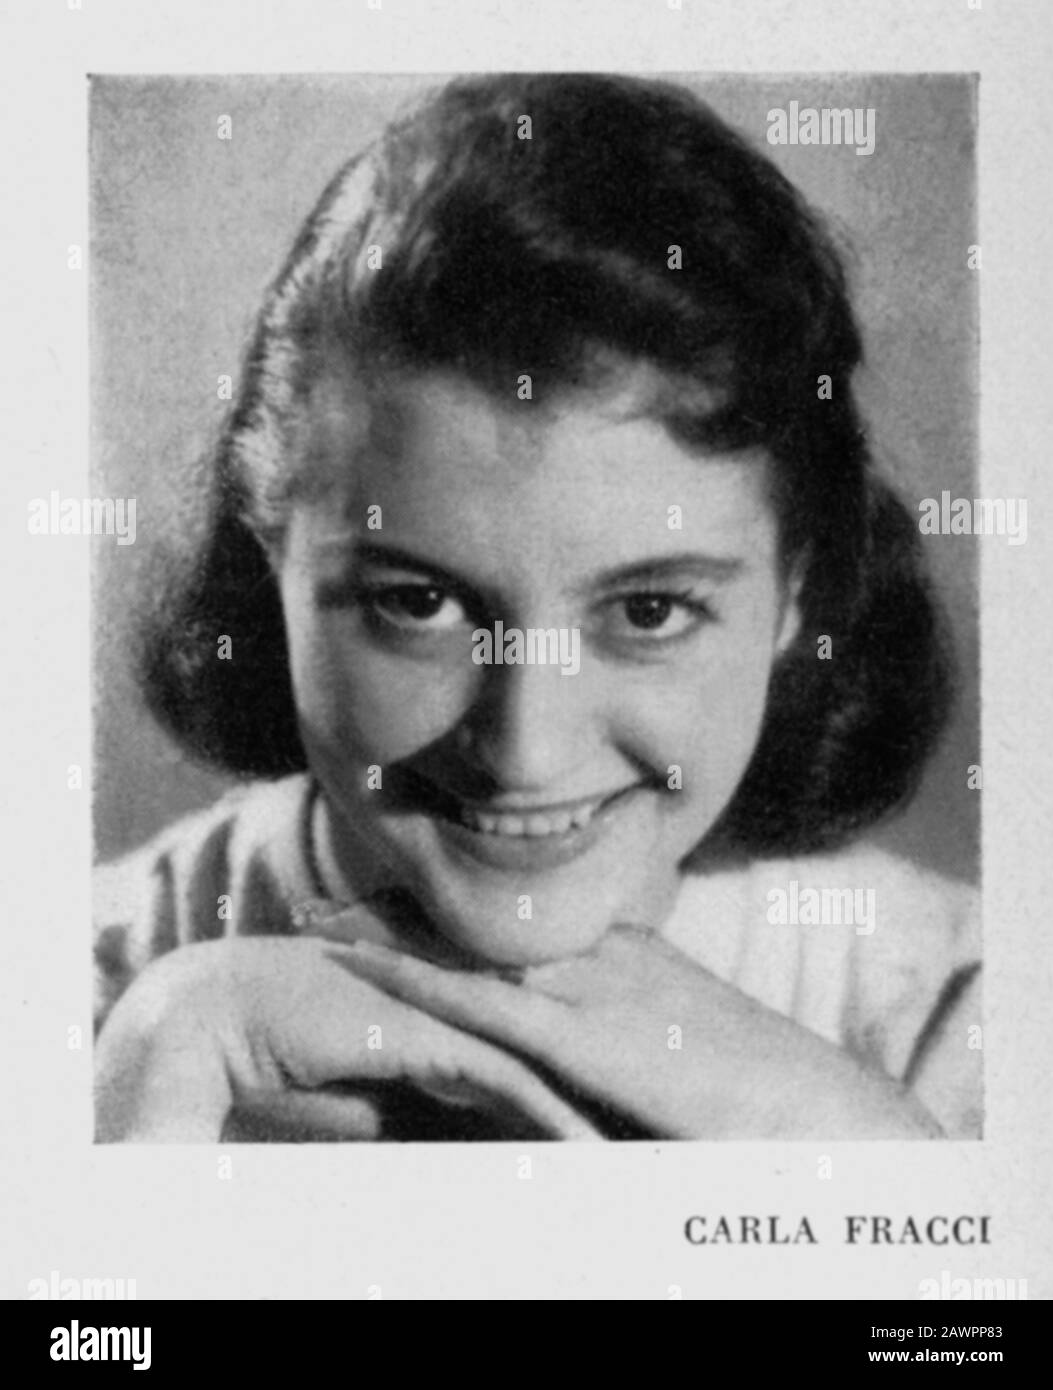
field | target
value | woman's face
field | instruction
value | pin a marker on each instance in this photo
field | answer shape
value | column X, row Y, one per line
column 527, row 806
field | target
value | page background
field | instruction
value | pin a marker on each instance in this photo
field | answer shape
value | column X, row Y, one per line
column 449, row 1222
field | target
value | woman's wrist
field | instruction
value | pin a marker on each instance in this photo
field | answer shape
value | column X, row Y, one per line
column 162, row 1073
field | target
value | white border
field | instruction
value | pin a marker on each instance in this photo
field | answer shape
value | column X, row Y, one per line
column 447, row 1221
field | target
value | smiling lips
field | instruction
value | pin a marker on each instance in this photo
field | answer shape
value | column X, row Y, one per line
column 503, row 833
column 528, row 824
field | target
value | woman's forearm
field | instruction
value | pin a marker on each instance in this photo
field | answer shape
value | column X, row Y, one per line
column 788, row 1083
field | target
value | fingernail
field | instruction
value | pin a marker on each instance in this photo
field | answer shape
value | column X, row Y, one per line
column 312, row 912
column 322, row 916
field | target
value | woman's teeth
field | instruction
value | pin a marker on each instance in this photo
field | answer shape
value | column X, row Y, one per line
column 533, row 824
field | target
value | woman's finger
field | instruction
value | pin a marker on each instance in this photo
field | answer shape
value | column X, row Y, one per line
column 530, row 1022
column 298, row 1117
column 389, row 918
column 486, row 1072
column 324, row 1024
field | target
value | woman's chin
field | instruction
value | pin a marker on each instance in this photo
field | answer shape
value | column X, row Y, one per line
column 538, row 936
column 513, row 901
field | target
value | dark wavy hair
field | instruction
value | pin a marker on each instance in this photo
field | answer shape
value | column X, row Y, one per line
column 502, row 254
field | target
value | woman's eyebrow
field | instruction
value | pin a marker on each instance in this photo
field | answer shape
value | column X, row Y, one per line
column 715, row 568
column 362, row 552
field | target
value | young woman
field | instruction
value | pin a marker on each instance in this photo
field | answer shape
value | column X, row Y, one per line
column 563, row 375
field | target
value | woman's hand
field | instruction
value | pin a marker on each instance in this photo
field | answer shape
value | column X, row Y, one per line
column 271, row 1022
column 640, row 1028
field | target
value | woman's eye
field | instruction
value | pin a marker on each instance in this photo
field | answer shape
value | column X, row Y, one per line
column 658, row 615
column 648, row 610
column 416, row 607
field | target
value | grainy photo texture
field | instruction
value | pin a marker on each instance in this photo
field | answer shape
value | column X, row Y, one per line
column 536, row 651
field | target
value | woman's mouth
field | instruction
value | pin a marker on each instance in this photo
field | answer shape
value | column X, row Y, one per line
column 526, row 838
column 531, row 823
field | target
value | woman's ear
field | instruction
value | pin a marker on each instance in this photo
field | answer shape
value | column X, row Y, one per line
column 790, row 614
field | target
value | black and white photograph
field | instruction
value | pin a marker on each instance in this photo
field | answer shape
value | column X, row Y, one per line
column 545, row 599
column 552, row 544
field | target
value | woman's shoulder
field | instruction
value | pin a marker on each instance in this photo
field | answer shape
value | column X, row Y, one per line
column 237, row 866
column 899, row 908
column 259, row 821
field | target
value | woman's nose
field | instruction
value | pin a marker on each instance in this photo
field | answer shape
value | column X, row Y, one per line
column 530, row 727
